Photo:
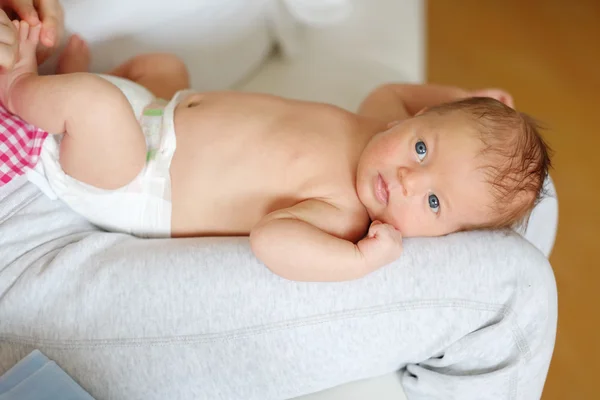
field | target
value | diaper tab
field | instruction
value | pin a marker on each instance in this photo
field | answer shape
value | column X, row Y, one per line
column 151, row 123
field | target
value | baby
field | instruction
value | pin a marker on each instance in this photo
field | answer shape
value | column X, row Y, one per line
column 323, row 193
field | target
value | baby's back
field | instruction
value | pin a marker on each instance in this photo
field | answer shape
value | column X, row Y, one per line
column 241, row 156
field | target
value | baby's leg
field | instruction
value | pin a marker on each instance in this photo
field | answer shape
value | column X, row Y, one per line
column 75, row 57
column 103, row 145
column 161, row 73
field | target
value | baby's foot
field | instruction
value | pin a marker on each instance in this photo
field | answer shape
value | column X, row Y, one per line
column 75, row 57
column 29, row 36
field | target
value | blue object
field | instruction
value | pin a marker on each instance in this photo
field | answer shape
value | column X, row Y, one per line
column 36, row 377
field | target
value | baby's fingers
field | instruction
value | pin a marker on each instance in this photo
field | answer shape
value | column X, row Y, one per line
column 388, row 232
column 395, row 234
column 374, row 228
column 501, row 95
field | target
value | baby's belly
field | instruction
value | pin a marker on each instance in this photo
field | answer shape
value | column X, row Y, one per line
column 240, row 157
column 219, row 194
column 206, row 209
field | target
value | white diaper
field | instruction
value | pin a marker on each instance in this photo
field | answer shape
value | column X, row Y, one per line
column 143, row 207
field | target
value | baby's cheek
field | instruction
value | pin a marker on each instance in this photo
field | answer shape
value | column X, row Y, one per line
column 388, row 149
column 412, row 221
column 401, row 218
column 382, row 148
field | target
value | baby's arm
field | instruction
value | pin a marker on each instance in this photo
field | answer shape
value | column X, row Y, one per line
column 394, row 102
column 304, row 243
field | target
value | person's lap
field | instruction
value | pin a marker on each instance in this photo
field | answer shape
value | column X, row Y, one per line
column 202, row 318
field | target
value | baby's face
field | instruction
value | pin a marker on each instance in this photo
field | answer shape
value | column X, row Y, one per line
column 423, row 177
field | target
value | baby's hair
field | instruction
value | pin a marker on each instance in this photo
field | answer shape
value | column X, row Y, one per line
column 520, row 158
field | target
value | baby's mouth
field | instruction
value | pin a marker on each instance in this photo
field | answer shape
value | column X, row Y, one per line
column 381, row 190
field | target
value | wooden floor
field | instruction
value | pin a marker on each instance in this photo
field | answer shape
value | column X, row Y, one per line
column 547, row 53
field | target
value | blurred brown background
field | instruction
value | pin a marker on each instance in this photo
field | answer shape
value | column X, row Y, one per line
column 547, row 54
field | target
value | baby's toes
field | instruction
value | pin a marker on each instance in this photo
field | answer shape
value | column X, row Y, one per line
column 34, row 33
column 23, row 31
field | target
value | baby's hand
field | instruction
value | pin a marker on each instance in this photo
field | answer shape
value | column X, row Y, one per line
column 9, row 43
column 498, row 94
column 382, row 245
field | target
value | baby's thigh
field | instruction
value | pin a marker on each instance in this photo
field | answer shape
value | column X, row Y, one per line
column 104, row 145
column 137, row 95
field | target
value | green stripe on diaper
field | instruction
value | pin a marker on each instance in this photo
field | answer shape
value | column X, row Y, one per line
column 150, row 154
column 153, row 112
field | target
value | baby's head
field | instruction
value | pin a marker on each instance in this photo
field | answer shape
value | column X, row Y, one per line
column 469, row 164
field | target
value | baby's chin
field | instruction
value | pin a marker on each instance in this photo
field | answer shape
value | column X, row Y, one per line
column 424, row 233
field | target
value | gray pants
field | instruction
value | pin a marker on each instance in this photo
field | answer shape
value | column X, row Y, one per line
column 468, row 316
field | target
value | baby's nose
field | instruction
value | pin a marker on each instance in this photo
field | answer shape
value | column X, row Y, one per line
column 414, row 183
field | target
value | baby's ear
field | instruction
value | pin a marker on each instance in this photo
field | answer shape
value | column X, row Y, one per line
column 498, row 94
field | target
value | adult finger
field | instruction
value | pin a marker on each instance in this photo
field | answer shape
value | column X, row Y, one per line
column 51, row 15
column 25, row 9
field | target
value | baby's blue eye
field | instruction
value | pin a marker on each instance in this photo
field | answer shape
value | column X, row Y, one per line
column 421, row 149
column 434, row 203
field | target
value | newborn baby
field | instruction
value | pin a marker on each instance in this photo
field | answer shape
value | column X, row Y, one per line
column 323, row 193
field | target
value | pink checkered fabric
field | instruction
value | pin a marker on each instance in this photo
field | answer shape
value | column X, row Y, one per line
column 20, row 145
